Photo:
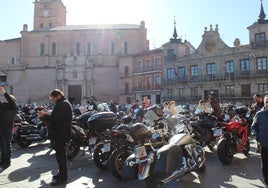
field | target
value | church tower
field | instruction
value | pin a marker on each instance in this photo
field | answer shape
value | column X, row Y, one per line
column 49, row 14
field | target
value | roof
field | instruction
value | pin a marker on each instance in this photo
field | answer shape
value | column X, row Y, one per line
column 94, row 27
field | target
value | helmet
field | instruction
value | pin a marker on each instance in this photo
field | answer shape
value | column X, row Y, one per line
column 140, row 131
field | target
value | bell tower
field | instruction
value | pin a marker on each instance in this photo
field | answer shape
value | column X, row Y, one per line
column 49, row 14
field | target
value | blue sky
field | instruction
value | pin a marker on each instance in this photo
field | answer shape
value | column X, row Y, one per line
column 192, row 16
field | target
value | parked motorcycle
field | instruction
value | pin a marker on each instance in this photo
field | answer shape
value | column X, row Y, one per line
column 206, row 128
column 24, row 133
column 235, row 138
column 158, row 166
column 92, row 130
column 126, row 137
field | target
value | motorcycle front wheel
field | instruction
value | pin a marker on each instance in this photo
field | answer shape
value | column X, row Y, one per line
column 100, row 158
column 72, row 148
column 224, row 151
column 116, row 161
column 22, row 142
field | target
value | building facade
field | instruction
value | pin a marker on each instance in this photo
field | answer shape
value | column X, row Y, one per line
column 81, row 60
column 232, row 74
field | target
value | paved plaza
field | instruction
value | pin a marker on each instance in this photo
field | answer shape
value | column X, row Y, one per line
column 32, row 167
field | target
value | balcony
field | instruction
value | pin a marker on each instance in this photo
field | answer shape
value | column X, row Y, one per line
column 259, row 45
column 147, row 69
column 146, row 88
column 215, row 77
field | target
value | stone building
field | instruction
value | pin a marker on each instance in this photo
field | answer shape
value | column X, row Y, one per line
column 81, row 60
column 230, row 73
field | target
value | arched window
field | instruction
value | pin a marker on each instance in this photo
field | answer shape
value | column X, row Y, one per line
column 88, row 48
column 42, row 49
column 53, row 49
column 125, row 48
column 112, row 48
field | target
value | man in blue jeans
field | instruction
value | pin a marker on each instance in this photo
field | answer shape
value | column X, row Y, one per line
column 260, row 126
column 8, row 112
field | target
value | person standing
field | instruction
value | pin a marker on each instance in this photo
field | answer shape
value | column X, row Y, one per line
column 60, row 121
column 113, row 106
column 91, row 105
column 260, row 126
column 8, row 112
column 146, row 102
column 256, row 107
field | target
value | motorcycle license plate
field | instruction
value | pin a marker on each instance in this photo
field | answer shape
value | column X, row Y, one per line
column 140, row 152
column 217, row 132
column 92, row 141
column 106, row 147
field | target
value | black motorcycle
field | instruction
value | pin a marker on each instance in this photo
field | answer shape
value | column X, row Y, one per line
column 206, row 128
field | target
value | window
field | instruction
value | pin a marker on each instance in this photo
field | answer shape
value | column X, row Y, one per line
column 181, row 71
column 244, row 65
column 194, row 70
column 88, row 48
column 230, row 90
column 126, row 71
column 148, row 82
column 140, row 67
column 126, row 88
column 74, row 73
column 261, row 63
column 260, row 40
column 53, row 49
column 112, row 48
column 170, row 52
column 194, row 91
column 211, row 68
column 77, row 48
column 13, row 60
column 41, row 25
column 158, row 82
column 42, row 49
column 263, row 88
column 170, row 92
column 149, row 64
column 229, row 67
column 157, row 63
column 140, row 83
column 170, row 73
column 125, row 48
column 181, row 92
column 50, row 24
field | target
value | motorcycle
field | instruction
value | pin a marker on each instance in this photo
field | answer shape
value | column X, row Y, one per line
column 235, row 137
column 159, row 166
column 125, row 138
column 24, row 133
column 206, row 128
column 92, row 130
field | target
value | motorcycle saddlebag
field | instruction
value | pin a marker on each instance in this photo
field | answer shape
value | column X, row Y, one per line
column 101, row 121
column 129, row 172
column 168, row 159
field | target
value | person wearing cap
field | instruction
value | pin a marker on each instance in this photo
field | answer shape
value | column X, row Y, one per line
column 8, row 110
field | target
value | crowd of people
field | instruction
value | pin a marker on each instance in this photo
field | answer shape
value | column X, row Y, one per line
column 61, row 116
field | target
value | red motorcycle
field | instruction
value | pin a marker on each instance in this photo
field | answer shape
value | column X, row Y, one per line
column 235, row 137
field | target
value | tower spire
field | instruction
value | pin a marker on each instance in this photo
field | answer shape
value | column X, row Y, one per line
column 175, row 35
column 262, row 15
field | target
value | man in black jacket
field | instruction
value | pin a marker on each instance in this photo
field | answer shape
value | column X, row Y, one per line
column 8, row 112
column 60, row 121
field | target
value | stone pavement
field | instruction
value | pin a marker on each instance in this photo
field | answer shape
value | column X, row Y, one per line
column 33, row 166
